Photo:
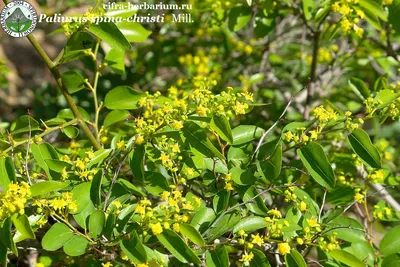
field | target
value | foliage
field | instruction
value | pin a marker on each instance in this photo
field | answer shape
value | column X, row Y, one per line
column 177, row 159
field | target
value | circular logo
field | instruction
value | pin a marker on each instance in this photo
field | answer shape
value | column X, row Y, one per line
column 18, row 19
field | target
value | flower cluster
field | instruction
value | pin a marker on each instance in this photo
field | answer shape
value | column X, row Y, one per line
column 14, row 199
column 300, row 136
column 351, row 15
column 62, row 205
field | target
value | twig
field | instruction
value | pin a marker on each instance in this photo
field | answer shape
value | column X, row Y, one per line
column 271, row 128
column 27, row 148
column 322, row 206
column 381, row 190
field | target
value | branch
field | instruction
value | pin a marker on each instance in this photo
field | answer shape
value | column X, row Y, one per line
column 57, row 76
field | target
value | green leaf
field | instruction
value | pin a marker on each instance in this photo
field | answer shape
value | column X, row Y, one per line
column 190, row 232
column 110, row 33
column 203, row 218
column 43, row 152
column 221, row 201
column 346, row 258
column 81, row 196
column 270, row 159
column 308, row 8
column 220, row 124
column 131, row 188
column 56, row 237
column 156, row 183
column 7, row 172
column 134, row 249
column 123, row 97
column 98, row 157
column 136, row 162
column 133, row 31
column 250, row 224
column 374, row 8
column 95, row 188
column 257, row 204
column 394, row 14
column 360, row 88
column 115, row 59
column 361, row 144
column 67, row 114
column 174, row 244
column 71, row 132
column 78, row 45
column 198, row 139
column 347, row 229
column 21, row 222
column 96, row 223
column 314, row 159
column 3, row 254
column 391, row 261
column 57, row 165
column 238, row 18
column 42, row 188
column 295, row 259
column 243, row 177
column 73, row 81
column 6, row 237
column 225, row 224
column 81, row 218
column 110, row 225
column 218, row 257
column 22, row 125
column 115, row 116
column 122, row 10
column 76, row 246
column 363, row 251
column 386, row 97
column 390, row 243
column 246, row 133
column 259, row 259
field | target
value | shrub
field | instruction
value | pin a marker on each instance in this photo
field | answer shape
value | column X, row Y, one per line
column 204, row 172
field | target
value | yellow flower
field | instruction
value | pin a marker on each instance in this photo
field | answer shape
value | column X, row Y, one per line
column 120, row 144
column 346, row 25
column 335, row 7
column 165, row 195
column 117, row 204
column 388, row 2
column 229, row 187
column 359, row 31
column 247, row 257
column 283, row 248
column 202, row 111
column 142, row 265
column 176, row 227
column 344, row 10
column 302, row 206
column 313, row 222
column 156, row 228
column 288, row 136
column 257, row 239
column 276, row 213
column 177, row 125
column 360, row 13
column 107, row 264
column 139, row 140
column 39, row 264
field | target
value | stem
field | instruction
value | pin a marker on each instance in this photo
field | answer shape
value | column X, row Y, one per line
column 57, row 76
column 313, row 72
column 95, row 84
column 46, row 132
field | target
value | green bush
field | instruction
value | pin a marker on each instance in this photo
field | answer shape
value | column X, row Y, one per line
column 263, row 134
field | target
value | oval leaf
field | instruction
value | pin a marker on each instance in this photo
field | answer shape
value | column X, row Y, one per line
column 314, row 159
column 76, row 246
column 56, row 237
column 361, row 144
